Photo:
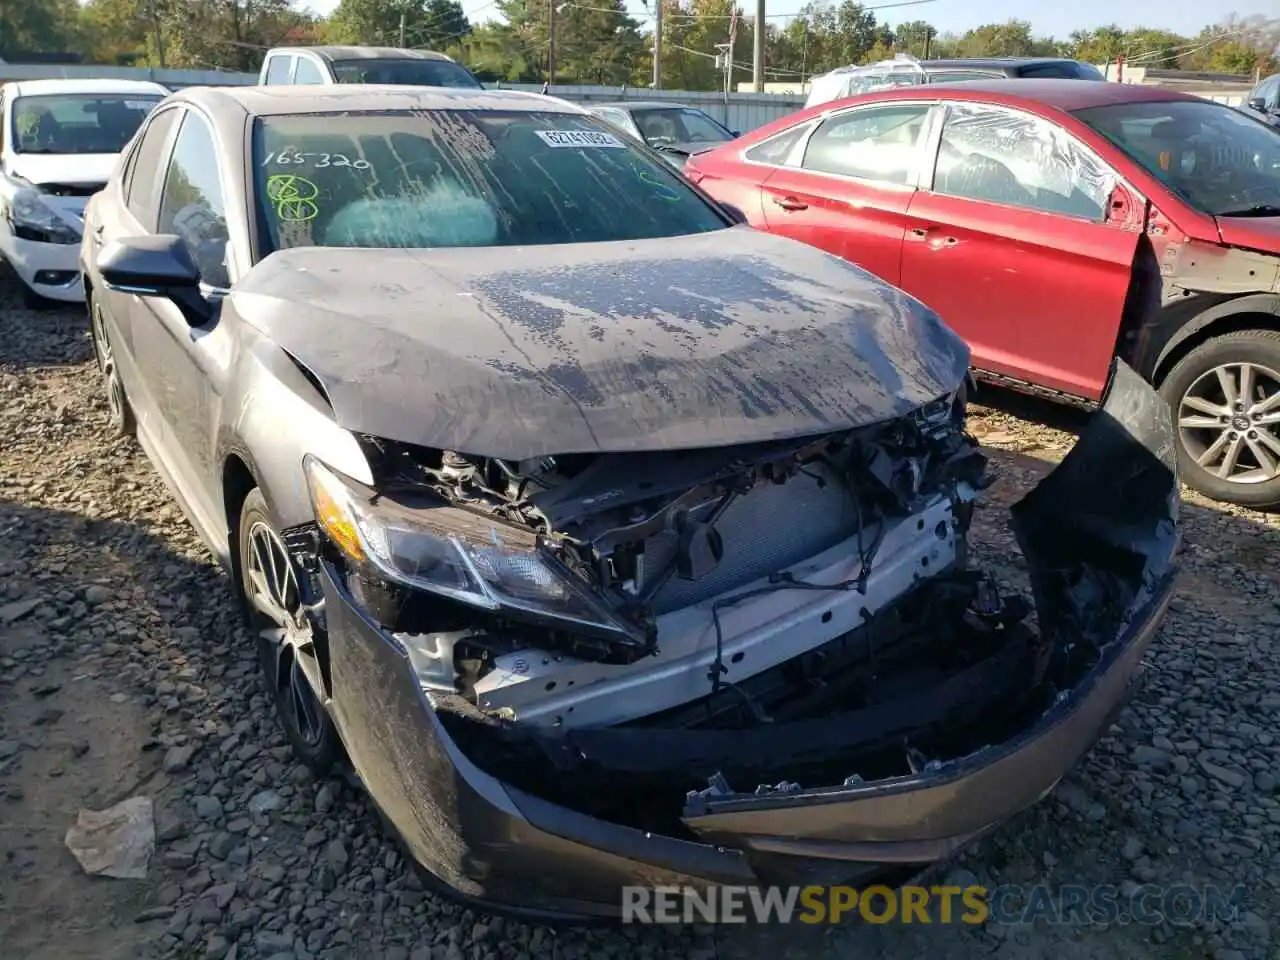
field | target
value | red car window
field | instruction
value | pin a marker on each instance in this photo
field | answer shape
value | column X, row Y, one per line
column 878, row 143
column 1004, row 156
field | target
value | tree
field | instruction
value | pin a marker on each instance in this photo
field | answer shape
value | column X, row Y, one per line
column 431, row 24
column 1010, row 39
column 37, row 25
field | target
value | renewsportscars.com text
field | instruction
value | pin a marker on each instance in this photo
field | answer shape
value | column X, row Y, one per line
column 1179, row 905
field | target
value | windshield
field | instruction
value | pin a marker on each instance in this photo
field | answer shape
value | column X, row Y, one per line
column 1219, row 160
column 678, row 125
column 452, row 178
column 418, row 73
column 78, row 123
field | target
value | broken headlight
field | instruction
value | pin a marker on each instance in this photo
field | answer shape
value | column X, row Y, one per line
column 452, row 552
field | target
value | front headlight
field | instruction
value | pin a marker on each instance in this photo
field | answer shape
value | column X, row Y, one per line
column 32, row 219
column 453, row 552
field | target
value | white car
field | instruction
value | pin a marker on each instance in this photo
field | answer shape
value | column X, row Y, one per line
column 59, row 142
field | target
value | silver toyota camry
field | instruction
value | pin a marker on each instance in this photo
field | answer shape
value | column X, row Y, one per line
column 605, row 540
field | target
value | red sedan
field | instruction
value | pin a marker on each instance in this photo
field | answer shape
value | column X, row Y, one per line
column 1054, row 225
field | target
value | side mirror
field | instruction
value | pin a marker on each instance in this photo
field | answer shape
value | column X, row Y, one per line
column 1256, row 103
column 155, row 266
column 148, row 266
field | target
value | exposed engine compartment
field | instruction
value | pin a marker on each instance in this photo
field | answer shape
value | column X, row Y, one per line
column 630, row 524
column 861, row 651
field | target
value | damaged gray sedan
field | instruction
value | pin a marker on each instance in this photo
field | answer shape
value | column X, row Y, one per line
column 609, row 541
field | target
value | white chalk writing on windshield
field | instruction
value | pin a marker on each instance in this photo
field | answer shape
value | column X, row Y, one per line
column 317, row 161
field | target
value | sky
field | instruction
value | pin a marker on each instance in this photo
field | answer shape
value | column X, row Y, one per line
column 1055, row 19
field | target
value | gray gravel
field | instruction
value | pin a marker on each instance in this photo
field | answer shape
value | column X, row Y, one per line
column 123, row 669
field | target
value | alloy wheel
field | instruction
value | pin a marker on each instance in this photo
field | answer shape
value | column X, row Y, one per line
column 107, row 364
column 271, row 587
column 1229, row 422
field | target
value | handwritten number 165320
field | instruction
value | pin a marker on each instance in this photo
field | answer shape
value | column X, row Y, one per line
column 317, row 161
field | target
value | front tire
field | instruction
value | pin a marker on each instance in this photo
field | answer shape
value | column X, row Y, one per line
column 1225, row 400
column 273, row 608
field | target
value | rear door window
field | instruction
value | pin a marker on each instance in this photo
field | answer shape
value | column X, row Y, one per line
column 777, row 149
column 140, row 191
column 874, row 143
column 1004, row 156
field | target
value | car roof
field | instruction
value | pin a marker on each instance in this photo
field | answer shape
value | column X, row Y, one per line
column 332, row 53
column 36, row 88
column 990, row 63
column 225, row 102
column 1065, row 95
column 645, row 105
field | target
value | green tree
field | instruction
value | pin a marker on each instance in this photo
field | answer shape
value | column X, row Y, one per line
column 1010, row 39
column 37, row 25
column 433, row 24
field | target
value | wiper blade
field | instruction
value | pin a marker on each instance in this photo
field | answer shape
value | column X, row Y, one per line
column 671, row 148
column 1257, row 210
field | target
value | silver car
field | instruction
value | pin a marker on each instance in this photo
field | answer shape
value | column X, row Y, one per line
column 608, row 540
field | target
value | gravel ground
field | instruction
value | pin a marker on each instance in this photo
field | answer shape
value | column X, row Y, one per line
column 123, row 670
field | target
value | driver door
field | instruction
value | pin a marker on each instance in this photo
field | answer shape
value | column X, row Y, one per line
column 187, row 366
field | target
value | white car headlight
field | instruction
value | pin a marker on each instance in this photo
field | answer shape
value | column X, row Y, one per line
column 30, row 218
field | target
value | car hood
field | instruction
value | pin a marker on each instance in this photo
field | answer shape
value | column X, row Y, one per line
column 88, row 169
column 1252, row 233
column 714, row 339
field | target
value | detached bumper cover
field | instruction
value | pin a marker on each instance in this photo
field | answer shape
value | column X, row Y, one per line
column 1099, row 535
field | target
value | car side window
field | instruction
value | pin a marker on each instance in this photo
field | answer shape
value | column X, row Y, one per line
column 192, row 204
column 775, row 150
column 1051, row 71
column 307, row 72
column 615, row 117
column 278, row 68
column 1269, row 93
column 140, row 189
column 1004, row 156
column 951, row 76
column 876, row 143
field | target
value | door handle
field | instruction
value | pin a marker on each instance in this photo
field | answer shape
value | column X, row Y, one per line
column 790, row 203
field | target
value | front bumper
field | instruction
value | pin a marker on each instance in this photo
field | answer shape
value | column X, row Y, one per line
column 501, row 847
column 35, row 262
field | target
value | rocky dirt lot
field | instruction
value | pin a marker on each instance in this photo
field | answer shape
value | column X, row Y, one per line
column 124, row 671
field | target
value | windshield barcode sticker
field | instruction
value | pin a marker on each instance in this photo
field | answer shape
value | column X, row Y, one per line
column 140, row 104
column 579, row 138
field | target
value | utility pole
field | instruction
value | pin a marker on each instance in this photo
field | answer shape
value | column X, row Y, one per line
column 155, row 26
column 657, row 46
column 804, row 51
column 551, row 42
column 728, row 60
column 402, row 19
column 757, row 61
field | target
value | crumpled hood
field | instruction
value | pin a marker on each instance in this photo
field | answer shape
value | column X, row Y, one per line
column 713, row 339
